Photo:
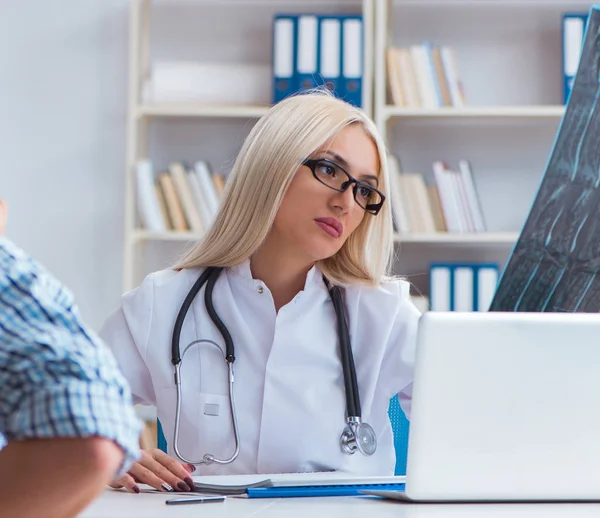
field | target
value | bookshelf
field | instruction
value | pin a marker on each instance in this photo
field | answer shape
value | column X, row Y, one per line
column 511, row 70
column 509, row 61
column 236, row 32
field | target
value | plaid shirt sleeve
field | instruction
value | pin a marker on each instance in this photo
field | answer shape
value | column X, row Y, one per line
column 57, row 379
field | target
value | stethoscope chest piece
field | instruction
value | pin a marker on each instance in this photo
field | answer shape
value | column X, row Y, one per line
column 358, row 436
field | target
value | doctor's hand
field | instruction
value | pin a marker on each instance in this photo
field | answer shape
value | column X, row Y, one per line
column 158, row 470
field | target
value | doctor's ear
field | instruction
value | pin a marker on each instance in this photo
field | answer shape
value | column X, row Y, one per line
column 3, row 215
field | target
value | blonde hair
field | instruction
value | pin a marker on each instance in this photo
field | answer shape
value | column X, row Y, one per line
column 277, row 145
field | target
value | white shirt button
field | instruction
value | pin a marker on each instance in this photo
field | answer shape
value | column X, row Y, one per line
column 260, row 290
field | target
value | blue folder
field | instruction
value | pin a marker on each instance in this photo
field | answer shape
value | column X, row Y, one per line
column 300, row 491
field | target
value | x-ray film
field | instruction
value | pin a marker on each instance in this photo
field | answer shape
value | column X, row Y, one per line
column 555, row 263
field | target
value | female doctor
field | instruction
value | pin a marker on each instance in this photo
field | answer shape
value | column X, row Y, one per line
column 290, row 350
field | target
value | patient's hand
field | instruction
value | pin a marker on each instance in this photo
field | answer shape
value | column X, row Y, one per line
column 156, row 468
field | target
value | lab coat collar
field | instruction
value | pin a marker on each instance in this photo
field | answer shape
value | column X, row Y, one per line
column 314, row 277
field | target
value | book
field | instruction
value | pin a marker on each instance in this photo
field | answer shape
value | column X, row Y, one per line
column 448, row 196
column 173, row 203
column 207, row 185
column 399, row 209
column 205, row 212
column 160, row 196
column 148, row 205
column 455, row 85
column 473, row 202
column 219, row 183
column 555, row 262
column 420, row 202
column 408, row 80
column 396, row 94
column 292, row 484
column 183, row 190
column 436, row 208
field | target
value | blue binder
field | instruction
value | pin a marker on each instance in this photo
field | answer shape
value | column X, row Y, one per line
column 284, row 56
column 329, row 54
column 476, row 291
column 574, row 26
column 307, row 45
column 302, row 491
column 352, row 59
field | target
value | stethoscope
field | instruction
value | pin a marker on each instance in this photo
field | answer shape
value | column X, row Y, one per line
column 356, row 435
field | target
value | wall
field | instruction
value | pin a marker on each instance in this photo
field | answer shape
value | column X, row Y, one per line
column 62, row 140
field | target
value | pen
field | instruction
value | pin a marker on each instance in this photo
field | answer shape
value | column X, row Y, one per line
column 196, row 500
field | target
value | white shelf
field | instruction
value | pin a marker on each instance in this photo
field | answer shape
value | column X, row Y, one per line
column 497, row 238
column 483, row 3
column 145, row 235
column 440, row 237
column 200, row 110
column 268, row 3
column 481, row 112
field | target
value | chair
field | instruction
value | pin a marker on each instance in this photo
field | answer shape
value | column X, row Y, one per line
column 161, row 439
column 400, row 426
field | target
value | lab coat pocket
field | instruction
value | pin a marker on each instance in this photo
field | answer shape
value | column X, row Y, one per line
column 205, row 424
column 215, row 426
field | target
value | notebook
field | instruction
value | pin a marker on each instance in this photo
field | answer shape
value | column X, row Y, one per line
column 293, row 484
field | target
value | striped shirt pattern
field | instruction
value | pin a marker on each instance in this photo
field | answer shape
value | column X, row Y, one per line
column 57, row 378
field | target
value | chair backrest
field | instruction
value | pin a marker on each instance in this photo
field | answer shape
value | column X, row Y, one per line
column 161, row 440
column 400, row 426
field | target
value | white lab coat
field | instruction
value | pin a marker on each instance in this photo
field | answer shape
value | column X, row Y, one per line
column 289, row 386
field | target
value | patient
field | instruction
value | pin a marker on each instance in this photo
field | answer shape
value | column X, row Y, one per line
column 66, row 419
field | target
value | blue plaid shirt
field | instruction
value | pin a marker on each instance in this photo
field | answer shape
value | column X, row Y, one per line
column 57, row 379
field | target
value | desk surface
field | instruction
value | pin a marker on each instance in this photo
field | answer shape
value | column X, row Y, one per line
column 115, row 504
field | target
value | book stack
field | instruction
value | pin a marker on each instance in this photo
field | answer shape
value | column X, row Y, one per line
column 424, row 76
column 177, row 199
column 450, row 204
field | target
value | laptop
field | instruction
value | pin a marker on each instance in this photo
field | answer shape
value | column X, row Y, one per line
column 506, row 407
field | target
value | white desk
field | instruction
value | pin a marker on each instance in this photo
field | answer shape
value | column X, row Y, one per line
column 113, row 504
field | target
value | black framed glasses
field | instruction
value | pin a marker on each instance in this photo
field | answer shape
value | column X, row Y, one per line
column 337, row 178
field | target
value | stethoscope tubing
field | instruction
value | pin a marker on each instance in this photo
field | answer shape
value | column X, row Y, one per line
column 348, row 367
column 175, row 351
column 208, row 458
column 208, row 301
